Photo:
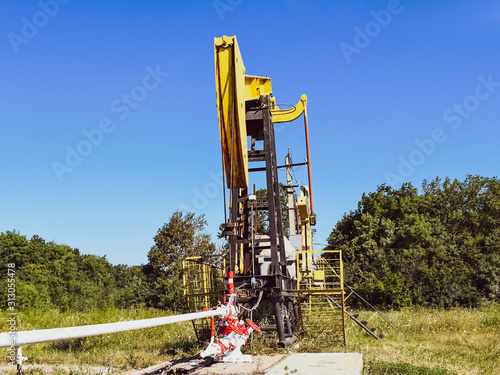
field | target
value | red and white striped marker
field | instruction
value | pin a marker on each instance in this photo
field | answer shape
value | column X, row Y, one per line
column 230, row 282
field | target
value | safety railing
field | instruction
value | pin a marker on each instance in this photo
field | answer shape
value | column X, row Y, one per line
column 320, row 292
column 203, row 288
column 319, row 271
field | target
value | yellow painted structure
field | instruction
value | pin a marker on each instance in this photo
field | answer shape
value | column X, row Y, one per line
column 290, row 114
column 320, row 282
column 203, row 284
column 230, row 87
column 233, row 89
column 320, row 290
column 256, row 86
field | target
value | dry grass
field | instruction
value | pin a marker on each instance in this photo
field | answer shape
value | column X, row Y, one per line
column 466, row 341
column 116, row 352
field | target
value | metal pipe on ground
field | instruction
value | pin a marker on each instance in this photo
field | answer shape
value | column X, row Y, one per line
column 53, row 334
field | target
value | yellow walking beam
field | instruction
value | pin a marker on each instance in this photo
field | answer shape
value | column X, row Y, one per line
column 230, row 87
column 234, row 88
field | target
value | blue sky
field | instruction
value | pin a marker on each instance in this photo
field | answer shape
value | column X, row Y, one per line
column 108, row 114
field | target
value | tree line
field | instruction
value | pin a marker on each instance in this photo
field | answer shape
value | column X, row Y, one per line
column 50, row 275
column 439, row 246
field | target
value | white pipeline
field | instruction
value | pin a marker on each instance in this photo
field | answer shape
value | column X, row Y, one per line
column 8, row 339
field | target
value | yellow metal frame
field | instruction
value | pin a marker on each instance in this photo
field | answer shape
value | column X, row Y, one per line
column 203, row 283
column 233, row 89
column 203, row 287
column 289, row 114
column 230, row 87
column 314, row 310
column 318, row 264
column 257, row 86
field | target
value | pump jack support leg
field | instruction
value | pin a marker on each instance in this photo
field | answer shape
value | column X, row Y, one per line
column 287, row 321
column 296, row 314
column 279, row 323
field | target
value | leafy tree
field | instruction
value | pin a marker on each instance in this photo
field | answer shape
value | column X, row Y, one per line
column 180, row 238
column 263, row 217
column 49, row 275
column 437, row 248
column 131, row 286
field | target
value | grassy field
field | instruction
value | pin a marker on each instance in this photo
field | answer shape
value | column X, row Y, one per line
column 461, row 341
column 465, row 341
column 125, row 350
column 456, row 341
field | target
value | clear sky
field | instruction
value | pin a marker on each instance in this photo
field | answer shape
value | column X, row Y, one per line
column 108, row 114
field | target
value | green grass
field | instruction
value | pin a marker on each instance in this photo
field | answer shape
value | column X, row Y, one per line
column 434, row 342
column 461, row 341
column 466, row 341
column 402, row 368
column 121, row 351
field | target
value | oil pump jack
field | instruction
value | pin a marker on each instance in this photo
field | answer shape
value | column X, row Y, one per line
column 262, row 266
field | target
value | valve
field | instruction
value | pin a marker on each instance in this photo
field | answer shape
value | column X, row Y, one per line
column 233, row 332
column 228, row 347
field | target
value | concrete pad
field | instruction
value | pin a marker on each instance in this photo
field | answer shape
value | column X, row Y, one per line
column 196, row 366
column 300, row 363
column 259, row 365
column 320, row 364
